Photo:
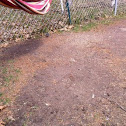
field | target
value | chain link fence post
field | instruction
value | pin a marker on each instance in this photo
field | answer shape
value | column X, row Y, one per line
column 116, row 6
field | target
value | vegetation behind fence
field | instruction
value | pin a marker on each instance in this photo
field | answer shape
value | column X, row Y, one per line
column 15, row 24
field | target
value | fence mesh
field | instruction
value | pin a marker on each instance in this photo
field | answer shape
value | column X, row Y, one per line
column 15, row 24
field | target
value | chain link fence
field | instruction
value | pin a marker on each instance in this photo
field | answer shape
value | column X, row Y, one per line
column 17, row 25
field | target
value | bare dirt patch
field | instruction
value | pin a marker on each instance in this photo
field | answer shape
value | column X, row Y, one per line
column 71, row 79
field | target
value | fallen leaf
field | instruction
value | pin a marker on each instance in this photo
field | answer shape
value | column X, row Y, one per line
column 2, row 123
column 11, row 118
column 2, row 107
column 70, row 26
column 3, row 45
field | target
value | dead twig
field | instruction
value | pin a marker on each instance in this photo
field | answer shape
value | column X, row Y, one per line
column 114, row 102
column 2, row 107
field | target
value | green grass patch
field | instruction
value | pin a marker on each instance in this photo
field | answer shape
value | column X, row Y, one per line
column 106, row 22
column 45, row 30
column 4, row 70
column 93, row 24
column 1, row 94
column 17, row 70
column 89, row 26
column 76, row 28
column 8, row 76
column 5, row 101
column 85, row 27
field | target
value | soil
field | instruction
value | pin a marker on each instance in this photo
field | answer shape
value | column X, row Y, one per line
column 70, row 79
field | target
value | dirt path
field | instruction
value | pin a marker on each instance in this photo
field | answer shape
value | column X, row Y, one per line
column 71, row 79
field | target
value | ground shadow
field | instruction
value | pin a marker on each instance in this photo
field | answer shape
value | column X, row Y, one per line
column 19, row 49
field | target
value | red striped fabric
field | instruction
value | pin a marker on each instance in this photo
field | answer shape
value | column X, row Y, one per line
column 30, row 6
column 10, row 3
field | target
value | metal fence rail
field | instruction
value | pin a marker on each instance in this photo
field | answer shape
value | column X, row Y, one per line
column 15, row 24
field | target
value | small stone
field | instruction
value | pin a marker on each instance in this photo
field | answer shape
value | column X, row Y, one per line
column 47, row 104
column 93, row 96
column 25, row 103
column 107, row 118
column 11, row 118
column 123, row 29
column 72, row 60
column 47, row 34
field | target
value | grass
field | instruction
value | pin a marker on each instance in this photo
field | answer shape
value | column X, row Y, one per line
column 17, row 70
column 24, row 124
column 76, row 28
column 85, row 27
column 89, row 26
column 5, row 101
column 8, row 79
column 8, row 76
column 93, row 24
column 106, row 22
column 4, row 71
column 1, row 94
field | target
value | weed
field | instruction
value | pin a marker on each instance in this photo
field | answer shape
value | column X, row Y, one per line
column 76, row 28
column 60, row 31
column 4, row 71
column 77, row 21
column 11, row 61
column 121, row 16
column 45, row 30
column 9, row 74
column 17, row 71
column 24, row 124
column 6, row 85
column 1, row 94
column 8, row 78
column 5, row 101
column 89, row 26
column 106, row 22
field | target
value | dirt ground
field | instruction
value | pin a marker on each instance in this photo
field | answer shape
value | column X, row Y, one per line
column 70, row 79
